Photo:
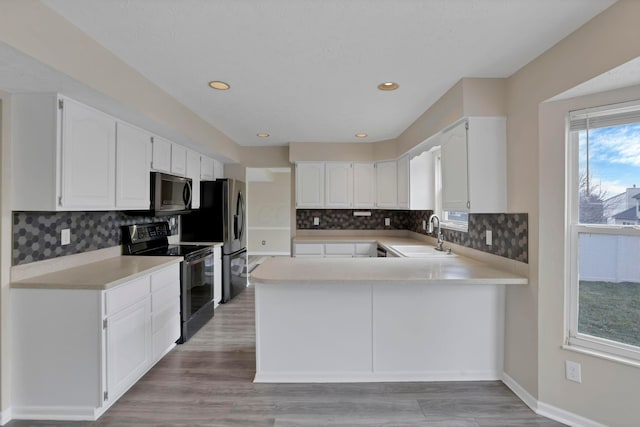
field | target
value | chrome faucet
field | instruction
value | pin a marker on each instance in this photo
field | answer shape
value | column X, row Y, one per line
column 439, row 233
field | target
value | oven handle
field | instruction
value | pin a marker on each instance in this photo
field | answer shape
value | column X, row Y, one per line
column 198, row 259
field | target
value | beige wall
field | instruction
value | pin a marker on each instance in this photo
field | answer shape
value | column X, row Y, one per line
column 32, row 28
column 5, row 250
column 269, row 206
column 536, row 170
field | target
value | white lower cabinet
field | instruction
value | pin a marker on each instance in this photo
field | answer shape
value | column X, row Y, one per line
column 81, row 349
column 335, row 250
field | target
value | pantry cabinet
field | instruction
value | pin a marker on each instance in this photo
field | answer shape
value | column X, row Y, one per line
column 133, row 153
column 310, row 185
column 338, row 185
column 474, row 166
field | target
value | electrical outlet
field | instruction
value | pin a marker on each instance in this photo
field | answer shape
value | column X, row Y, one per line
column 264, row 242
column 424, row 224
column 316, row 220
column 489, row 237
column 387, row 222
column 572, row 371
column 65, row 236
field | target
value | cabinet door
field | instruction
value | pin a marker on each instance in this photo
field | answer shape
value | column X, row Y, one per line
column 178, row 160
column 386, row 184
column 161, row 155
column 88, row 158
column 206, row 168
column 132, row 167
column 403, row 182
column 310, row 185
column 338, row 185
column 364, row 185
column 422, row 180
column 193, row 172
column 218, row 169
column 455, row 195
column 128, row 336
column 305, row 250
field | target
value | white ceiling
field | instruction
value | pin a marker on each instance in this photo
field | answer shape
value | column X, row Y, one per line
column 307, row 70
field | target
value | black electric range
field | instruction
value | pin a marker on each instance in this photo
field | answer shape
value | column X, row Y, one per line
column 196, row 271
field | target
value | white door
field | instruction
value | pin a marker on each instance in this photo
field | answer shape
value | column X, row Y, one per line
column 310, row 185
column 403, row 182
column 161, row 155
column 133, row 147
column 178, row 160
column 88, row 158
column 364, row 185
column 193, row 171
column 455, row 196
column 128, row 346
column 386, row 184
column 338, row 185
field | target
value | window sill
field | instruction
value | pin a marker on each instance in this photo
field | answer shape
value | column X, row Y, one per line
column 602, row 355
column 455, row 226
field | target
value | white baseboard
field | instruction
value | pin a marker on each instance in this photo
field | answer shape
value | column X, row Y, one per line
column 5, row 416
column 519, row 391
column 366, row 377
column 546, row 410
column 57, row 413
column 566, row 417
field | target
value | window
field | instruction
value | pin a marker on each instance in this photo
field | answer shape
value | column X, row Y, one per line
column 604, row 230
column 453, row 220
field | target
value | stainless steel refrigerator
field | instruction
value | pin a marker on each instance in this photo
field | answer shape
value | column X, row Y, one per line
column 222, row 218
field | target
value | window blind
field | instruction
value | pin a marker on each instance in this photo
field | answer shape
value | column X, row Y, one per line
column 602, row 117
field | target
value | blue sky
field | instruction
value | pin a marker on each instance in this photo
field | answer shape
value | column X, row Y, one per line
column 614, row 157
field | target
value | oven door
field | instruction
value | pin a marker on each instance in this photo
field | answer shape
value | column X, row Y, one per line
column 197, row 285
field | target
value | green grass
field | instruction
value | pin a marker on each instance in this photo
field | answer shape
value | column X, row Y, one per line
column 610, row 310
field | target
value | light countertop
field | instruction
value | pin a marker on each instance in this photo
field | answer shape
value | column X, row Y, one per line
column 99, row 275
column 455, row 270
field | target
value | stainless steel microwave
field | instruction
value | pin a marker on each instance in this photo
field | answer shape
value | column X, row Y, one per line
column 170, row 194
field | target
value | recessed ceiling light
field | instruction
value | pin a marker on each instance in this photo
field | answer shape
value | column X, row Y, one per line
column 263, row 135
column 388, row 86
column 219, row 85
column 361, row 135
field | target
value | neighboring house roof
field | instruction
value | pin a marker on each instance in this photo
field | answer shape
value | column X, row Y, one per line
column 637, row 196
column 628, row 214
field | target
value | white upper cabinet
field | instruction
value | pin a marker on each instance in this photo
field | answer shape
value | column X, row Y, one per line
column 161, row 155
column 403, row 182
column 88, row 157
column 178, row 160
column 193, row 171
column 387, row 184
column 310, row 185
column 364, row 185
column 422, row 180
column 206, row 168
column 338, row 185
column 133, row 152
column 63, row 155
column 474, row 166
column 218, row 169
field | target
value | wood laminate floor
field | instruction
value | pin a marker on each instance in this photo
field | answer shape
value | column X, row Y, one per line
column 208, row 382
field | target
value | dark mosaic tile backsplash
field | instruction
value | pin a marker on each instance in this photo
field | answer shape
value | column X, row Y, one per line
column 510, row 231
column 36, row 235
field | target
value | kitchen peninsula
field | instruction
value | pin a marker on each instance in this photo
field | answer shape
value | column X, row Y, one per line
column 379, row 319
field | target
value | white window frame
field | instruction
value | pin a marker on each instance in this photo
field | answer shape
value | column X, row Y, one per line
column 574, row 340
column 444, row 223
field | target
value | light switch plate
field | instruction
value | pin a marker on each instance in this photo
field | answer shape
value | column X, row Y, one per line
column 424, row 224
column 489, row 238
column 316, row 220
column 572, row 370
column 387, row 222
column 65, row 236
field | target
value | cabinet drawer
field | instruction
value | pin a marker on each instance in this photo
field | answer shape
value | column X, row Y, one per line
column 167, row 277
column 126, row 294
column 167, row 296
column 339, row 249
column 310, row 249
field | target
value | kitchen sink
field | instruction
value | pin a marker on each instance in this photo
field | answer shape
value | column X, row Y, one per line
column 420, row 251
